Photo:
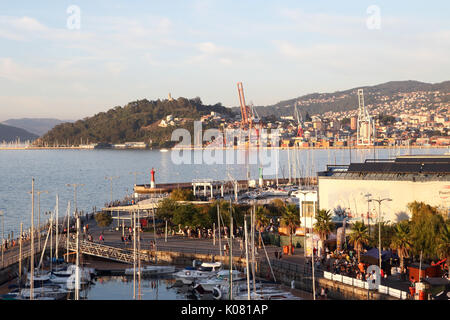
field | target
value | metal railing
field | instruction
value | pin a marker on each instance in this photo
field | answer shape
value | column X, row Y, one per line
column 365, row 285
column 108, row 252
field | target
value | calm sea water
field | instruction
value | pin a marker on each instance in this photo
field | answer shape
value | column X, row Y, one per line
column 53, row 169
column 121, row 288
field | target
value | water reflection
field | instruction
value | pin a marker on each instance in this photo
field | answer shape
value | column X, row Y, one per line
column 121, row 288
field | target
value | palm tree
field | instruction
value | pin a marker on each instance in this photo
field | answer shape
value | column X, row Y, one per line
column 261, row 220
column 401, row 241
column 324, row 226
column 359, row 236
column 291, row 220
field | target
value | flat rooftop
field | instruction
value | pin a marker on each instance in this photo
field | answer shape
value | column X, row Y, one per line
column 422, row 167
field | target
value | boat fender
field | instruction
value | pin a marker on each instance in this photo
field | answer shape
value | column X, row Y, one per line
column 217, row 294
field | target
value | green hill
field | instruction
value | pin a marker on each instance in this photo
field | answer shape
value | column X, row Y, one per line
column 137, row 121
column 11, row 134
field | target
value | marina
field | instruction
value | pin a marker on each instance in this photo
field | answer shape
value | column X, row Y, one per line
column 206, row 275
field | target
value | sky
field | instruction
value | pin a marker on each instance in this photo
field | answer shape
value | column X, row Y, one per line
column 72, row 59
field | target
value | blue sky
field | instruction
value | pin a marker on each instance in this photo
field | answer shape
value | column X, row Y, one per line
column 128, row 50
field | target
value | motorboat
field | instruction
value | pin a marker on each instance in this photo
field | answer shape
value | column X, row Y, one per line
column 223, row 276
column 276, row 192
column 38, row 280
column 151, row 270
column 261, row 293
column 52, row 293
column 270, row 294
column 190, row 274
column 85, row 273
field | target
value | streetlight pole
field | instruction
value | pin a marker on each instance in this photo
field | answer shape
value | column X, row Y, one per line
column 2, row 213
column 75, row 186
column 300, row 204
column 135, row 174
column 379, row 200
column 38, row 192
column 51, row 238
column 368, row 195
column 110, row 178
column 32, row 242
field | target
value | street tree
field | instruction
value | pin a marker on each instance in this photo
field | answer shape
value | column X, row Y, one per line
column 358, row 237
column 401, row 241
column 291, row 220
column 261, row 221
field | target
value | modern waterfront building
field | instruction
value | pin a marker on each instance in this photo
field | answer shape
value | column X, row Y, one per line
column 347, row 188
column 307, row 201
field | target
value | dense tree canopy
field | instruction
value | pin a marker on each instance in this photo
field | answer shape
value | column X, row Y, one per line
column 426, row 228
column 103, row 219
column 137, row 121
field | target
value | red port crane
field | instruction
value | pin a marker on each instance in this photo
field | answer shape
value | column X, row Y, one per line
column 246, row 112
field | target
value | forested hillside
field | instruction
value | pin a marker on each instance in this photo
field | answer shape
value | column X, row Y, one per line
column 137, row 121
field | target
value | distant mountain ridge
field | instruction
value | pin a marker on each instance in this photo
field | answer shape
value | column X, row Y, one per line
column 346, row 100
column 38, row 126
column 11, row 134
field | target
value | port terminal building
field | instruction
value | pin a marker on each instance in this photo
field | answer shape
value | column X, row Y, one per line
column 348, row 188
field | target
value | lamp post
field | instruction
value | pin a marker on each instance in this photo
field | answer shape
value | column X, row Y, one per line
column 111, row 179
column 368, row 195
column 32, row 242
column 135, row 175
column 304, row 193
column 38, row 192
column 75, row 186
column 51, row 237
column 2, row 213
column 379, row 200
column 118, row 213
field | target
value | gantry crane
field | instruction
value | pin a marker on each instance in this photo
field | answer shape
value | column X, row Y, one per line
column 246, row 111
column 299, row 121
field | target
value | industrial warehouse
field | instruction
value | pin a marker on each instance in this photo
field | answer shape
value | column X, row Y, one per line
column 363, row 190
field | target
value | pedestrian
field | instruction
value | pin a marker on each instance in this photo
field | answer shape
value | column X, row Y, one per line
column 322, row 293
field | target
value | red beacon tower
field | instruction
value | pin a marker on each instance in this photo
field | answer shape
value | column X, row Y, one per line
column 152, row 182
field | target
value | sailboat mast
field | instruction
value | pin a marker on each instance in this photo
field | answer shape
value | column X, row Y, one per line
column 139, row 254
column 67, row 238
column 32, row 242
column 231, row 253
column 56, row 227
column 218, row 223
column 20, row 252
column 77, row 268
column 246, row 258
column 289, row 163
column 252, row 235
column 134, row 256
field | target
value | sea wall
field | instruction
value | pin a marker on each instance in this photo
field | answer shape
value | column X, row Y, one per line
column 303, row 281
